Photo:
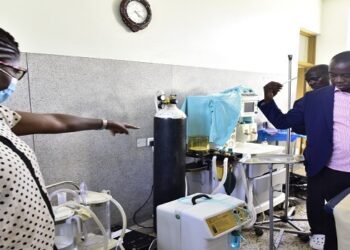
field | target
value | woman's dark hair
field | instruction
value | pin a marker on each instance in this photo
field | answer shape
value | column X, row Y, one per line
column 8, row 47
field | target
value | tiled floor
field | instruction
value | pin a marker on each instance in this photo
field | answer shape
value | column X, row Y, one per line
column 288, row 242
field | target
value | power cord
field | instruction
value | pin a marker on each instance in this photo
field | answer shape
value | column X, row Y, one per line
column 153, row 244
column 140, row 208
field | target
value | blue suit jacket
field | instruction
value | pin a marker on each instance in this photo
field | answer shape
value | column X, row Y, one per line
column 315, row 112
column 298, row 129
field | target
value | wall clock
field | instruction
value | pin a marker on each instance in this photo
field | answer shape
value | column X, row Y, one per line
column 136, row 14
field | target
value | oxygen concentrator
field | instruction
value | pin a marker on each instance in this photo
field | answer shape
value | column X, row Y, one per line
column 199, row 221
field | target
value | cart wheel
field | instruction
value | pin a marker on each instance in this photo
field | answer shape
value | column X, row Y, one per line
column 304, row 238
column 258, row 232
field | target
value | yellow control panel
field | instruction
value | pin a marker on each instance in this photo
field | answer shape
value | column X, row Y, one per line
column 228, row 220
column 221, row 222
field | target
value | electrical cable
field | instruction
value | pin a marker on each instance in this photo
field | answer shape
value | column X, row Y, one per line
column 140, row 208
column 152, row 246
column 62, row 183
column 122, row 212
column 249, row 193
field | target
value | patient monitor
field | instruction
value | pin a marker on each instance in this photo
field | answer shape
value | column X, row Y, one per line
column 246, row 130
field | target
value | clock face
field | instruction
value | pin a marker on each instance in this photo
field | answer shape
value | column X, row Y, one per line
column 136, row 14
column 136, row 11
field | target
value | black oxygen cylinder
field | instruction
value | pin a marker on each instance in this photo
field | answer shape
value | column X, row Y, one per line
column 169, row 156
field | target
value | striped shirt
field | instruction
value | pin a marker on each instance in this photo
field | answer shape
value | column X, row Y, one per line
column 340, row 159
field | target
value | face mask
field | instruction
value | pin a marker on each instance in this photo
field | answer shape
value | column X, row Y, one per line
column 6, row 93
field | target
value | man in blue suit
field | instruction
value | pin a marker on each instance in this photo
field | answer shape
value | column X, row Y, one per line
column 317, row 77
column 325, row 113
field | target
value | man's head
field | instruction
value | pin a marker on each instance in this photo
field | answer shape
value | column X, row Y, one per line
column 9, row 60
column 317, row 76
column 339, row 71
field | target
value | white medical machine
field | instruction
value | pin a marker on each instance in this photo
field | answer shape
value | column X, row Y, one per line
column 200, row 221
column 253, row 181
column 82, row 218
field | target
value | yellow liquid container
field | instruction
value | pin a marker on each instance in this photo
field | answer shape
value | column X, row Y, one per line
column 219, row 171
column 198, row 143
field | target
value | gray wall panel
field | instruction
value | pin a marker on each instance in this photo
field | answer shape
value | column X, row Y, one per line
column 111, row 89
column 122, row 91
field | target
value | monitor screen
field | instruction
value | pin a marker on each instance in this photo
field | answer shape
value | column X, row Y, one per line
column 249, row 106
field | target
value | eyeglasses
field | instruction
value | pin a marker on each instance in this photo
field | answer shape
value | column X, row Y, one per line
column 344, row 75
column 12, row 71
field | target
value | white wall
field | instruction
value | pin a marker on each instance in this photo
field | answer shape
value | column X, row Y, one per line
column 248, row 35
column 335, row 29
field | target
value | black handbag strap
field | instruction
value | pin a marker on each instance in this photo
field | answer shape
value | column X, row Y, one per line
column 29, row 165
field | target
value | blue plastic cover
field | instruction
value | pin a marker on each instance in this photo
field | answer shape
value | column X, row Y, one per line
column 214, row 115
column 277, row 135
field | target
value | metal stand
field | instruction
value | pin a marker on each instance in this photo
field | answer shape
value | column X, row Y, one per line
column 287, row 216
column 271, row 160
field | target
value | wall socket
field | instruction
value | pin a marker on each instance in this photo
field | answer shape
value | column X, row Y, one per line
column 144, row 142
column 141, row 142
column 150, row 141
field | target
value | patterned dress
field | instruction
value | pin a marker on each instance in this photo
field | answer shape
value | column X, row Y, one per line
column 26, row 218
